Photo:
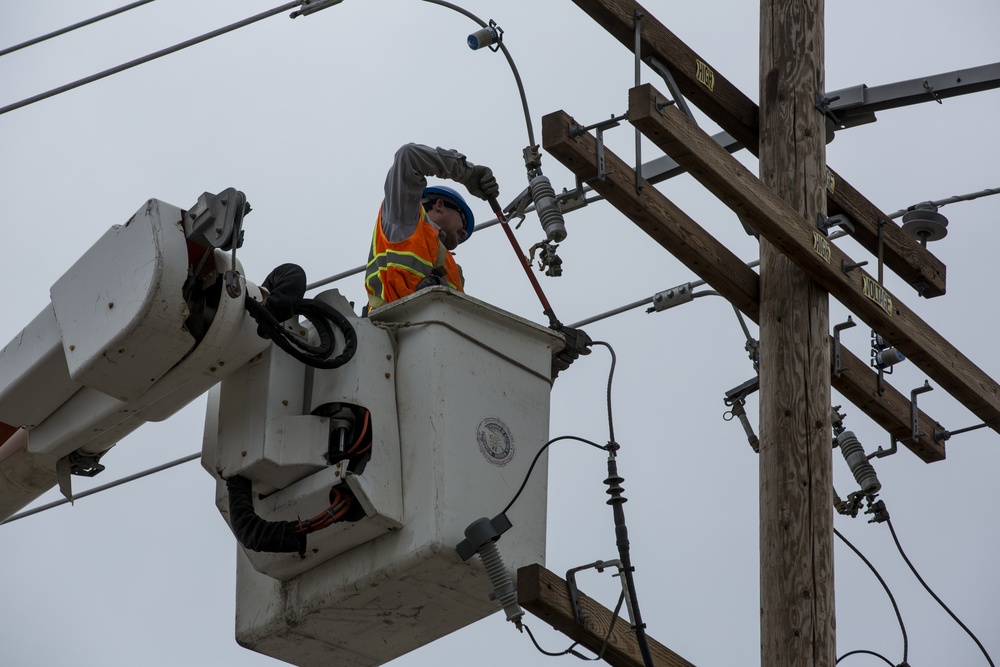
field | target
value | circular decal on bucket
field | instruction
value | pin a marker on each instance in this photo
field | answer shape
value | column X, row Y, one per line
column 495, row 442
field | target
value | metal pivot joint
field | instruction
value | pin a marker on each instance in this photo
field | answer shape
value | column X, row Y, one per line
column 736, row 399
column 216, row 221
column 480, row 538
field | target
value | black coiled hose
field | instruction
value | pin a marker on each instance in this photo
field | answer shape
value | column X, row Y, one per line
column 286, row 286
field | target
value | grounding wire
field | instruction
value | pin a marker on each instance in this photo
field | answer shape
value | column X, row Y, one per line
column 866, row 652
column 81, row 24
column 152, row 56
column 962, row 625
column 885, row 586
column 569, row 651
column 105, row 487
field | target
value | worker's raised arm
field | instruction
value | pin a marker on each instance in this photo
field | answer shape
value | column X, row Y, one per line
column 407, row 178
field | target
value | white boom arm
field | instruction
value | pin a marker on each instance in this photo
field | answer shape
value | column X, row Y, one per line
column 137, row 328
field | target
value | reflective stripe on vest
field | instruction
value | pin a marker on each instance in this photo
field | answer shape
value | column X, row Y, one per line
column 395, row 269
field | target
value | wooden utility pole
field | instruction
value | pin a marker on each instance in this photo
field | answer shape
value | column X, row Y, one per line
column 796, row 515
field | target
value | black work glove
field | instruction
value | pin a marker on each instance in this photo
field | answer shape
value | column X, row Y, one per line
column 577, row 343
column 432, row 280
column 286, row 286
column 481, row 183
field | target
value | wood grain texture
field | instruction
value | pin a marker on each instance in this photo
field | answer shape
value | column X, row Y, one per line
column 652, row 212
column 795, row 236
column 738, row 115
column 797, row 616
column 546, row 595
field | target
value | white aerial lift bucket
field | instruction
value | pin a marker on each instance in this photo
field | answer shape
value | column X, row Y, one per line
column 458, row 393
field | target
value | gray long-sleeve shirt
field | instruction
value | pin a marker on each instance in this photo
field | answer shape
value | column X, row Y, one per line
column 406, row 180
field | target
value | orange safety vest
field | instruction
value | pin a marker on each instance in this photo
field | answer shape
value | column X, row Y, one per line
column 395, row 269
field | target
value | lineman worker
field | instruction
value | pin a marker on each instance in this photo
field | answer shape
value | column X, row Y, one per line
column 419, row 225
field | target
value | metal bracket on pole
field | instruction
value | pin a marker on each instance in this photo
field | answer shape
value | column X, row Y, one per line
column 824, row 223
column 836, row 342
column 880, row 453
column 736, row 399
column 915, row 413
column 847, row 267
column 574, row 592
column 578, row 130
column 638, row 135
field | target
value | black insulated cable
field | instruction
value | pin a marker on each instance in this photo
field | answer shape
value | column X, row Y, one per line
column 927, row 588
column 286, row 285
column 895, row 607
column 616, row 501
column 862, row 651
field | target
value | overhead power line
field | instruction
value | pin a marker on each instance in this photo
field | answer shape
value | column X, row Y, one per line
column 105, row 487
column 81, row 24
column 949, row 200
column 153, row 56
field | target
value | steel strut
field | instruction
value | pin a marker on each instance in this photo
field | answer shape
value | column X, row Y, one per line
column 554, row 323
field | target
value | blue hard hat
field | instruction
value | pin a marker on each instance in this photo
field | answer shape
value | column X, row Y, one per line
column 452, row 197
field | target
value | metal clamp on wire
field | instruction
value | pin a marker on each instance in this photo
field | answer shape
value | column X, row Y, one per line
column 312, row 6
column 577, row 343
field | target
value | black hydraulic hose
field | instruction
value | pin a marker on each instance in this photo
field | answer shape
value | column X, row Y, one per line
column 286, row 285
column 254, row 532
column 616, row 501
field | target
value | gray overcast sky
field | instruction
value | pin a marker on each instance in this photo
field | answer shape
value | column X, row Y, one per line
column 304, row 117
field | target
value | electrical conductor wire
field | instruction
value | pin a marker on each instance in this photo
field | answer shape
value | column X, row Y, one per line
column 70, row 28
column 105, row 487
column 510, row 62
column 962, row 625
column 611, row 376
column 569, row 651
column 885, row 586
column 866, row 652
column 535, row 460
column 152, row 56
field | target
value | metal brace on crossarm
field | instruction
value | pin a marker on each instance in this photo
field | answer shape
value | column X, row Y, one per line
column 836, row 343
column 579, row 130
column 574, row 591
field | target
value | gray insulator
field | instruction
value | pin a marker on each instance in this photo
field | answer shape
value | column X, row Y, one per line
column 504, row 590
column 547, row 207
column 888, row 357
column 857, row 461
